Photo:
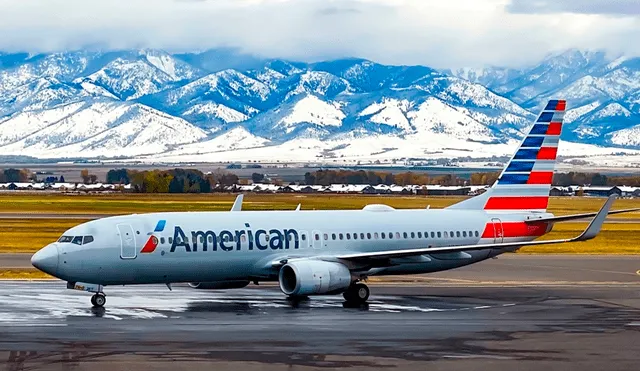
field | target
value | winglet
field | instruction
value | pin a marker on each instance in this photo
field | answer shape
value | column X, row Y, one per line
column 237, row 204
column 596, row 224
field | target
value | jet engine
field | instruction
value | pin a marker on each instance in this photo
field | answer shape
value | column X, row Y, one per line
column 219, row 285
column 313, row 277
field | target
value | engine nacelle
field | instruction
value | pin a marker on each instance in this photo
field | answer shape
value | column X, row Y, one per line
column 219, row 285
column 313, row 277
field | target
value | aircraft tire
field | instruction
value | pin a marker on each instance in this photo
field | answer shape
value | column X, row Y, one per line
column 98, row 300
column 357, row 293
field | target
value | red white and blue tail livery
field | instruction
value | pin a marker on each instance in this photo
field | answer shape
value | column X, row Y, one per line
column 525, row 182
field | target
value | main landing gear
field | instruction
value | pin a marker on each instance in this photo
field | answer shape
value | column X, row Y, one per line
column 357, row 293
column 98, row 300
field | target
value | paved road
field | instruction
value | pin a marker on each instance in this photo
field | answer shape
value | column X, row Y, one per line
column 46, row 327
column 15, row 261
column 4, row 215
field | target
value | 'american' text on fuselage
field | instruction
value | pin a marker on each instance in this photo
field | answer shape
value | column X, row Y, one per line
column 233, row 240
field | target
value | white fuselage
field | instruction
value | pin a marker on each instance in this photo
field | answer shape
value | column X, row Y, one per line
column 227, row 246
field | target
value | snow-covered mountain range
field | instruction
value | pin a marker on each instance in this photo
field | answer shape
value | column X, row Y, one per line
column 220, row 106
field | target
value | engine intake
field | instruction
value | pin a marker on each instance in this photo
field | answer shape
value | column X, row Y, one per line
column 314, row 277
column 219, row 285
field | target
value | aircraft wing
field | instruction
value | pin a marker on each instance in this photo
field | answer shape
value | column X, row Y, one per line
column 590, row 232
column 564, row 218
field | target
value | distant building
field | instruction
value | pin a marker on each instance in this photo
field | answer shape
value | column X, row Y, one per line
column 601, row 191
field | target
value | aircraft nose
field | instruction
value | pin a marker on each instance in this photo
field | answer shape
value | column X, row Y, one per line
column 46, row 259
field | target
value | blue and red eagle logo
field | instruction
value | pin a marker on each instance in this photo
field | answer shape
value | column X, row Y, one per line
column 152, row 242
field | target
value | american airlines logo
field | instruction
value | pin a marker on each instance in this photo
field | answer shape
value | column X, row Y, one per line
column 225, row 240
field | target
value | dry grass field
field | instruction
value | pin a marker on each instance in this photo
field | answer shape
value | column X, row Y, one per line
column 28, row 235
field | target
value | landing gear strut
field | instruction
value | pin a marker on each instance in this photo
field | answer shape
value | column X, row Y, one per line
column 357, row 293
column 98, row 300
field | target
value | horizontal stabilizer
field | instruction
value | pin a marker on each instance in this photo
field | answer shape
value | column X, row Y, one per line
column 564, row 218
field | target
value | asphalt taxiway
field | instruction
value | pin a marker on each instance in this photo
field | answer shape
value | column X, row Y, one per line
column 44, row 326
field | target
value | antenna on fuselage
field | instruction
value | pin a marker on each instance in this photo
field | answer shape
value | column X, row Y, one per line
column 428, row 207
column 298, row 208
column 237, row 204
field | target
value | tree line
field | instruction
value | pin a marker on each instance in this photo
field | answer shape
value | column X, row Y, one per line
column 172, row 181
column 327, row 177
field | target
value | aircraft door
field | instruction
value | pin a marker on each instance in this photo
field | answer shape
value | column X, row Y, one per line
column 498, row 231
column 127, row 241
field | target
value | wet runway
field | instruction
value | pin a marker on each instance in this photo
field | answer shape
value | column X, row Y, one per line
column 43, row 326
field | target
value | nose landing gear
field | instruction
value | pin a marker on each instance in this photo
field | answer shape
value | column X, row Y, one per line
column 98, row 300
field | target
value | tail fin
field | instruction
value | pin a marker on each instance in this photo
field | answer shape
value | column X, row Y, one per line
column 525, row 182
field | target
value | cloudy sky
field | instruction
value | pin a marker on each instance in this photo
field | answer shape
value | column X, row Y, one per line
column 439, row 33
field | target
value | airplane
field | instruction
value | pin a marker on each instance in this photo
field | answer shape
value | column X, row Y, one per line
column 323, row 252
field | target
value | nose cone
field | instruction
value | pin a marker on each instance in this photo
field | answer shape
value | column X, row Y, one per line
column 46, row 259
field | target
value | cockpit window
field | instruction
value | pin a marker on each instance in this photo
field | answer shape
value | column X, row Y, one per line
column 77, row 240
column 87, row 239
column 65, row 239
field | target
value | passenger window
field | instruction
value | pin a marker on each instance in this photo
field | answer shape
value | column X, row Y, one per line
column 368, row 236
column 348, row 236
column 186, row 240
column 317, row 237
column 446, row 234
column 451, row 234
column 391, row 235
column 458, row 234
column 355, row 236
column 375, row 235
column 397, row 234
column 333, row 236
column 477, row 234
column 243, row 238
column 413, row 235
column 304, row 237
column 87, row 239
column 362, row 236
column 65, row 239
column 419, row 234
column 162, row 240
column 201, row 239
column 439, row 234
column 170, row 239
column 341, row 236
column 77, row 240
column 433, row 235
column 464, row 233
column 404, row 234
column 326, row 236
column 382, row 235
column 470, row 234
column 210, row 238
